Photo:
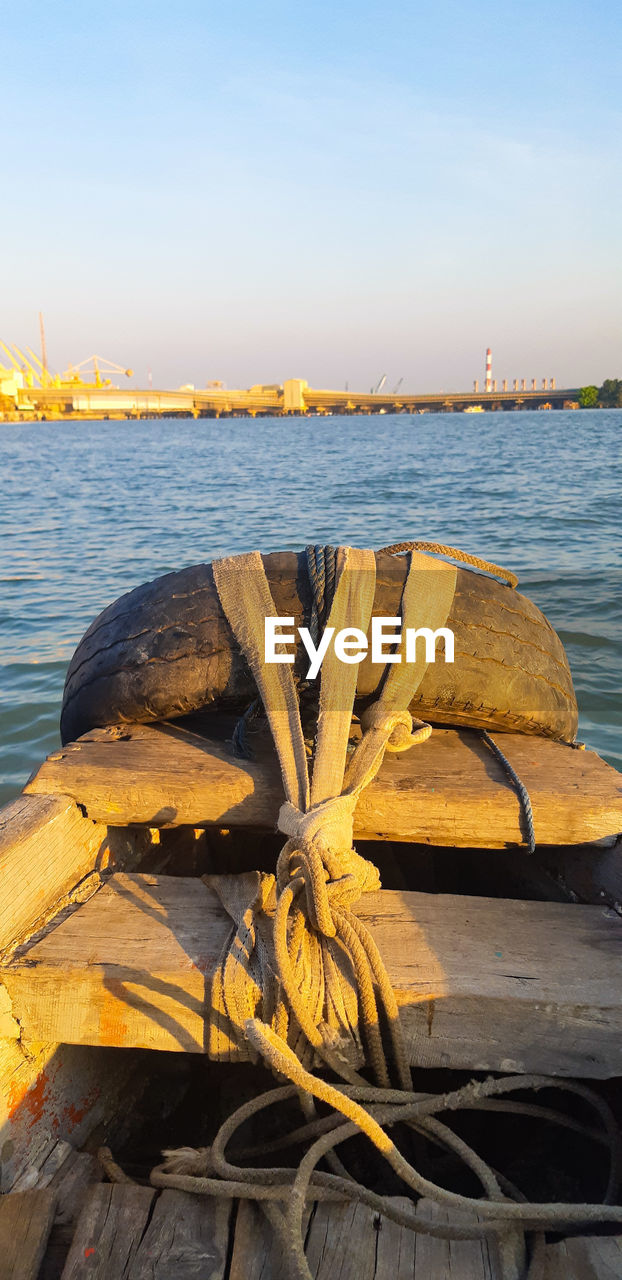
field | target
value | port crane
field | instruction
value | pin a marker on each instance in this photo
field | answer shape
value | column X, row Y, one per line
column 44, row 354
column 19, row 362
column 74, row 374
column 36, row 372
column 30, row 374
column 47, row 379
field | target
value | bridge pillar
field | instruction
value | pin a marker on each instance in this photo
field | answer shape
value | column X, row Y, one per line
column 294, row 395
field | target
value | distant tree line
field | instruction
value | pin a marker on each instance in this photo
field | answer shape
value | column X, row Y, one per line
column 609, row 396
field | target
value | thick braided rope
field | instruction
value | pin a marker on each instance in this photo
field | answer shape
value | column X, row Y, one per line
column 322, row 569
column 439, row 549
column 208, row 1171
column 318, row 869
column 318, row 876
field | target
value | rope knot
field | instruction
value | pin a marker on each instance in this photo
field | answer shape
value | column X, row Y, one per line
column 400, row 730
column 328, row 825
column 320, row 858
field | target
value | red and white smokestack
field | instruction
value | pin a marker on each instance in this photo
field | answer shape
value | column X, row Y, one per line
column 488, row 370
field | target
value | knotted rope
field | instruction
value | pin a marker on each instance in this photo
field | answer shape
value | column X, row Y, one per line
column 299, row 961
column 301, row 981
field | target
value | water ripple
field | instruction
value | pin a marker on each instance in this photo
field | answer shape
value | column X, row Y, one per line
column 88, row 510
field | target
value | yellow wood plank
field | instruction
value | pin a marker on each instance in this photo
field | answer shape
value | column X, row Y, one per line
column 46, row 847
column 50, row 853
column 482, row 984
column 449, row 791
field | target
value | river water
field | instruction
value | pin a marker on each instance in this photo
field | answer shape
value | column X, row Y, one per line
column 88, row 510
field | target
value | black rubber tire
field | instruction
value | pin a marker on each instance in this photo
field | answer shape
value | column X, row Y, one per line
column 165, row 649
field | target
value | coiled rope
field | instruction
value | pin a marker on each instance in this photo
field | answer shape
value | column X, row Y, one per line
column 208, row 1171
column 301, row 981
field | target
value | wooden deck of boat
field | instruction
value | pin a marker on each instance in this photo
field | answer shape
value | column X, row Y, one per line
column 92, row 958
column 102, row 1231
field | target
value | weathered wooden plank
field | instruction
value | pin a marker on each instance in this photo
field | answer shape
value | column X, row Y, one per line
column 482, row 984
column 187, row 1239
column 46, row 847
column 108, row 1232
column 25, row 1223
column 51, row 1092
column 50, row 854
column 584, row 1258
column 449, row 791
column 72, row 1183
column 353, row 1242
column 256, row 1254
column 457, row 1259
column 41, row 1173
column 342, row 1241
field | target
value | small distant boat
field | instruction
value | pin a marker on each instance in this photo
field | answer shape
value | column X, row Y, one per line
column 474, row 408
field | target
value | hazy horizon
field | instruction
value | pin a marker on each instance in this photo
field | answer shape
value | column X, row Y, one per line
column 332, row 193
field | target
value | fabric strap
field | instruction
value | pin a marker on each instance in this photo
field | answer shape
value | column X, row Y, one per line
column 281, row 964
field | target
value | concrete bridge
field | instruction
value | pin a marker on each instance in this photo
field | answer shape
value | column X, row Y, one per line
column 437, row 402
column 293, row 397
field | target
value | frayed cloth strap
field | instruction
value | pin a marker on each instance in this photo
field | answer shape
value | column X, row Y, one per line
column 246, row 600
column 427, row 598
column 320, row 816
column 284, row 961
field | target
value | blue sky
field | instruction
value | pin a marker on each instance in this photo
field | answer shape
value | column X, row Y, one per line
column 330, row 191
